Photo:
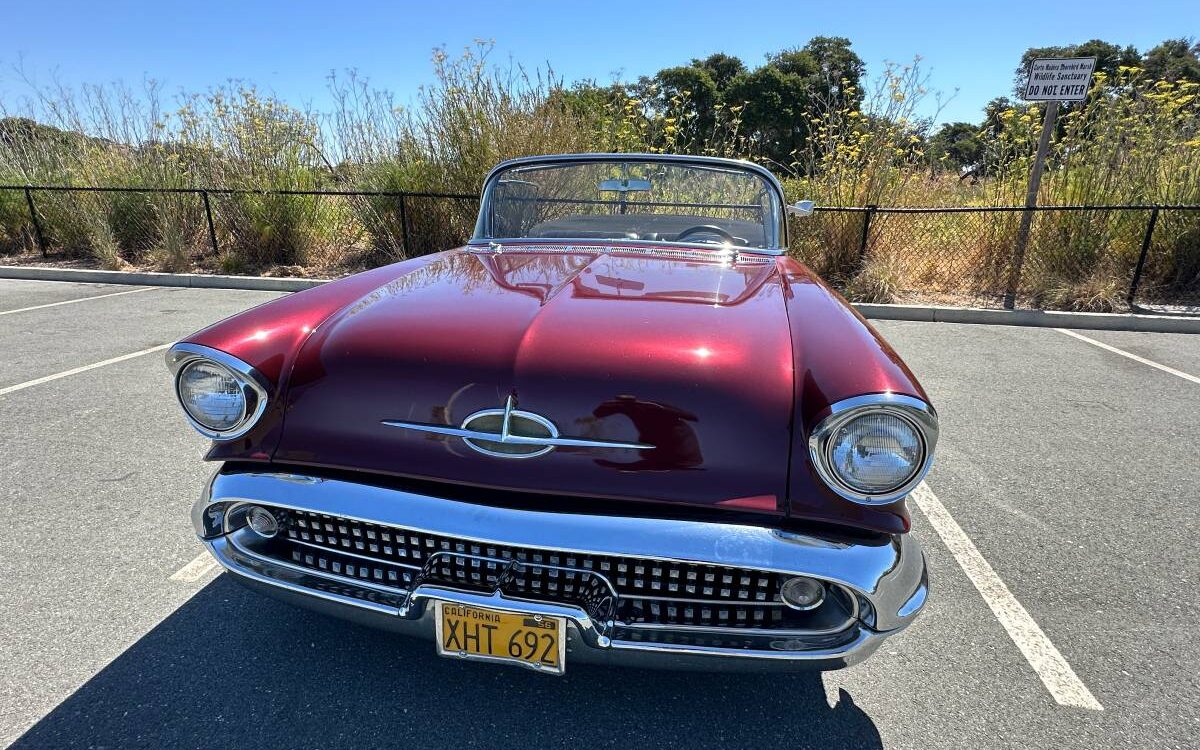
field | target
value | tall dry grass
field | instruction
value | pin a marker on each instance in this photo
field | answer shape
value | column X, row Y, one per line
column 1135, row 141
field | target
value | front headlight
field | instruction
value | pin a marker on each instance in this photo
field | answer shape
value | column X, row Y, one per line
column 222, row 396
column 874, row 449
column 211, row 395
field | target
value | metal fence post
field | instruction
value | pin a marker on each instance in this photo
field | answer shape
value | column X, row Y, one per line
column 866, row 230
column 37, row 223
column 404, row 224
column 212, row 230
column 1141, row 262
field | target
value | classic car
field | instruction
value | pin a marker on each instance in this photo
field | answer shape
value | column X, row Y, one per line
column 620, row 425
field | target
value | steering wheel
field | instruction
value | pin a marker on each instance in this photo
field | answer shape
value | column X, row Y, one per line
column 706, row 229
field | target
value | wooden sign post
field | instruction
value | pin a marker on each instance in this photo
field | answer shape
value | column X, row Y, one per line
column 1052, row 80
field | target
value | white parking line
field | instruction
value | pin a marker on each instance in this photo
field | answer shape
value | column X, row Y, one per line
column 80, row 299
column 1134, row 357
column 196, row 569
column 1064, row 685
column 30, row 383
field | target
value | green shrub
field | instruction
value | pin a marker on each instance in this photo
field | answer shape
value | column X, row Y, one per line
column 16, row 230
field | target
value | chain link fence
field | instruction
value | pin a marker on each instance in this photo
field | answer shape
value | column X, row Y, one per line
column 230, row 229
column 1076, row 257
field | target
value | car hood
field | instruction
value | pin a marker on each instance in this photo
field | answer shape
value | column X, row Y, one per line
column 687, row 352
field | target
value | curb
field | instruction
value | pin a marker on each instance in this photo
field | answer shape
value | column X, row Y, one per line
column 1033, row 318
column 151, row 278
column 919, row 313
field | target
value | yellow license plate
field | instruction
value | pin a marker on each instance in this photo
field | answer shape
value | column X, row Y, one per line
column 470, row 632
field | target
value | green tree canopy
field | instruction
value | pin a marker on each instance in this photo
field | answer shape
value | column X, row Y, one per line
column 1174, row 60
column 838, row 64
column 778, row 96
column 956, row 144
column 773, row 105
column 722, row 68
column 690, row 93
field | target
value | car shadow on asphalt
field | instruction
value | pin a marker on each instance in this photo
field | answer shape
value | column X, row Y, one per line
column 231, row 668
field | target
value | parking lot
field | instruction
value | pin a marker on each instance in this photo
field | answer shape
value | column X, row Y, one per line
column 1059, row 524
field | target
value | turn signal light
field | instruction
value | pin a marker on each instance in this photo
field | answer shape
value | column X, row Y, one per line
column 802, row 593
column 262, row 522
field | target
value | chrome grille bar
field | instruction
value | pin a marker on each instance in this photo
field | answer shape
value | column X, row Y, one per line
column 628, row 592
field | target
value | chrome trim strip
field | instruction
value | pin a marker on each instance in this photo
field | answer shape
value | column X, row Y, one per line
column 254, row 385
column 713, row 602
column 718, row 252
column 734, row 632
column 885, row 573
column 916, row 412
column 853, row 651
column 505, row 435
column 496, row 437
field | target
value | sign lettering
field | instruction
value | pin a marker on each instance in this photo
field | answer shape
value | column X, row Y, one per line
column 1060, row 79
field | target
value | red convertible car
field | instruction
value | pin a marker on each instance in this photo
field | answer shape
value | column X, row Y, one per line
column 620, row 425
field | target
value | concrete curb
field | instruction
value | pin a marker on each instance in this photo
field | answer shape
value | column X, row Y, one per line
column 148, row 278
column 1033, row 318
column 926, row 314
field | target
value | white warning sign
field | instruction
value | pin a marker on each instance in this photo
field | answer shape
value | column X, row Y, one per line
column 1062, row 79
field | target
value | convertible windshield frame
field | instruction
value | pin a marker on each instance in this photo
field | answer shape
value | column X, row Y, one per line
column 774, row 222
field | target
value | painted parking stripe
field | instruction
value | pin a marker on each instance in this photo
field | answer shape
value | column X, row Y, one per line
column 80, row 299
column 75, row 371
column 196, row 569
column 1056, row 674
column 1130, row 355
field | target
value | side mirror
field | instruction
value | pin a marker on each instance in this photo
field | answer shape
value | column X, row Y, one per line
column 801, row 208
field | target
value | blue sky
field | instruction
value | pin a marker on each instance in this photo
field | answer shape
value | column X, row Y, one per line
column 290, row 47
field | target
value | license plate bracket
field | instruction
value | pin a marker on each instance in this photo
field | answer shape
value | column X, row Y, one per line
column 535, row 641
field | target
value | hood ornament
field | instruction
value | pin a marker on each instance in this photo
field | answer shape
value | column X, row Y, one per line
column 511, row 433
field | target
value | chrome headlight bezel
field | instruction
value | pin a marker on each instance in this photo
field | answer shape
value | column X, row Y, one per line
column 254, row 387
column 917, row 413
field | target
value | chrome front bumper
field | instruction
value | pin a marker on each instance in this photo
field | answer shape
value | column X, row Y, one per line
column 887, row 577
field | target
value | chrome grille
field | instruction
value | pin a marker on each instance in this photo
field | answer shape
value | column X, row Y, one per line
column 632, row 591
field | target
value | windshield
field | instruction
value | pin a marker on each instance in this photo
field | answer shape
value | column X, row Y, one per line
column 679, row 200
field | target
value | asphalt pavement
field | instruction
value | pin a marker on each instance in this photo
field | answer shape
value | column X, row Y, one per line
column 1069, row 469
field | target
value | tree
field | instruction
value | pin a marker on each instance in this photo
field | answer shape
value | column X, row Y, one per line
column 1109, row 57
column 795, row 62
column 992, row 122
column 722, row 68
column 1173, row 60
column 779, row 96
column 957, row 145
column 773, row 104
column 839, row 67
column 689, row 95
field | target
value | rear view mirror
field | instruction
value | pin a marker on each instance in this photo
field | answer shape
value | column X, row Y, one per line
column 625, row 186
column 801, row 208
